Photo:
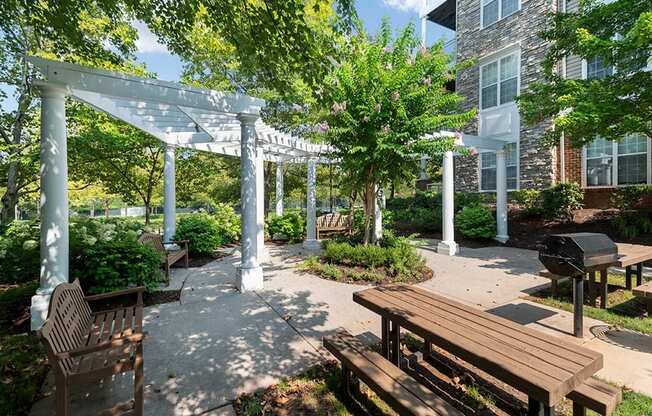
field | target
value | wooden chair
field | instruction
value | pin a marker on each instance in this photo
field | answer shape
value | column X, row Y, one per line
column 169, row 257
column 334, row 222
column 85, row 346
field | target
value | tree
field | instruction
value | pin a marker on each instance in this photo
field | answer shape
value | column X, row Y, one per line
column 620, row 33
column 206, row 178
column 380, row 101
column 81, row 31
column 123, row 160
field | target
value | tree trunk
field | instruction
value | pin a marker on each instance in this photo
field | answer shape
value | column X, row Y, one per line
column 10, row 197
column 369, row 207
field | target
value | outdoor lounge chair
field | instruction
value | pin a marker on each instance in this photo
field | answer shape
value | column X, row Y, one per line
column 170, row 256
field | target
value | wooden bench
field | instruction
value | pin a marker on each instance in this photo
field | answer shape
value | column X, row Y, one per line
column 596, row 395
column 644, row 292
column 400, row 391
column 334, row 223
column 85, row 346
column 170, row 257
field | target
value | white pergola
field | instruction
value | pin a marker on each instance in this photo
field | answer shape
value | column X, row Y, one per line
column 181, row 117
column 205, row 120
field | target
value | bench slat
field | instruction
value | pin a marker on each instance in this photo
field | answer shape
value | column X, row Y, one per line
column 643, row 291
column 394, row 386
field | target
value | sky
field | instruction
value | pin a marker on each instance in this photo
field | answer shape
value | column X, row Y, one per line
column 168, row 67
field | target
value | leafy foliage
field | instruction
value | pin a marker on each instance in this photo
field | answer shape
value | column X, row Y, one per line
column 476, row 221
column 380, row 101
column 619, row 33
column 228, row 223
column 629, row 197
column 19, row 252
column 291, row 226
column 631, row 224
column 560, row 200
column 529, row 201
column 202, row 232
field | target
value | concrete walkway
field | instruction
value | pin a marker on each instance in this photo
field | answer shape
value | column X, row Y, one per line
column 216, row 343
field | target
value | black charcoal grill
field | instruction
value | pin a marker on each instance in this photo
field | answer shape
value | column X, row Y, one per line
column 578, row 254
column 575, row 255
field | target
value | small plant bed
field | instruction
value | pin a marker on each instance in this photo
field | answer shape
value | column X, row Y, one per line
column 396, row 261
column 623, row 309
column 23, row 363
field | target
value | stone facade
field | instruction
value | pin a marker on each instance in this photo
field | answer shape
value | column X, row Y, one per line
column 536, row 163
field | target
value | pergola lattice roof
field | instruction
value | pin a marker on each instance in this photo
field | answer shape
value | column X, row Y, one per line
column 177, row 114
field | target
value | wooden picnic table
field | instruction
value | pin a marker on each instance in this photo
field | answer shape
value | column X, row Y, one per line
column 544, row 367
column 633, row 255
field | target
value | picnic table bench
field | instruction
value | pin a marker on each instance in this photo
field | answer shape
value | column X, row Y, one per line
column 402, row 392
column 85, row 346
column 644, row 291
column 170, row 257
column 544, row 367
column 333, row 222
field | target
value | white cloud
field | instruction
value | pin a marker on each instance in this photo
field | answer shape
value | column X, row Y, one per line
column 405, row 5
column 147, row 41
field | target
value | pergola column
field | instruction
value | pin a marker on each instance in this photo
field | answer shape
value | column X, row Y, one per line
column 261, row 253
column 250, row 276
column 311, row 241
column 448, row 246
column 54, row 200
column 279, row 188
column 170, row 196
column 501, row 196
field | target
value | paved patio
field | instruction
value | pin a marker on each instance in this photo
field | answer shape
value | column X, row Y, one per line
column 217, row 343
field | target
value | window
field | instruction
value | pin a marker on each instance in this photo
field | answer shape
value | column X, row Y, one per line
column 488, row 168
column 499, row 81
column 494, row 10
column 597, row 69
column 617, row 163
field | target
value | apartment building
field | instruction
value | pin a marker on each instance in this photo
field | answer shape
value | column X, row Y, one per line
column 502, row 37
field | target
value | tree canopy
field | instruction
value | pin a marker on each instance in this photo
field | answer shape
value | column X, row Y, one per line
column 619, row 33
column 379, row 103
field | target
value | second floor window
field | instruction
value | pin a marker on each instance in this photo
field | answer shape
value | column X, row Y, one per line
column 597, row 69
column 499, row 81
column 494, row 10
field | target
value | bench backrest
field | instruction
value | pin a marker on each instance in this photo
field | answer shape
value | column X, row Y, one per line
column 69, row 318
column 152, row 240
column 335, row 221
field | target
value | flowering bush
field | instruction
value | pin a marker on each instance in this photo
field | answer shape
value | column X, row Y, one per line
column 290, row 226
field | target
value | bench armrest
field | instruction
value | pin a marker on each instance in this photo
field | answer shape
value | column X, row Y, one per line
column 139, row 290
column 114, row 343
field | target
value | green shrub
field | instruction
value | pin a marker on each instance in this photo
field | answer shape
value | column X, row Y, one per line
column 529, row 201
column 19, row 252
column 560, row 200
column 629, row 197
column 476, row 221
column 228, row 223
column 632, row 223
column 203, row 233
column 467, row 199
column 290, row 226
column 427, row 219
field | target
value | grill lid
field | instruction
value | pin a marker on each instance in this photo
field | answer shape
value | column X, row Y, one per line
column 578, row 253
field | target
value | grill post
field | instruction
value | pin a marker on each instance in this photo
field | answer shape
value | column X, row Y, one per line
column 578, row 306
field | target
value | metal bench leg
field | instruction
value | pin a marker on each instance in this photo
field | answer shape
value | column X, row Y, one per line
column 350, row 383
column 554, row 288
column 384, row 333
column 427, row 348
column 395, row 336
column 535, row 408
column 649, row 308
column 628, row 277
column 578, row 409
column 604, row 289
column 639, row 274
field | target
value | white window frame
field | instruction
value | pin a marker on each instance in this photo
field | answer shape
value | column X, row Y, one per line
column 500, row 12
column 496, row 59
column 518, row 171
column 614, row 167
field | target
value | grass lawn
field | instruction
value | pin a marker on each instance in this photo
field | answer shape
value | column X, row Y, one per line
column 623, row 309
column 318, row 392
column 23, row 364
